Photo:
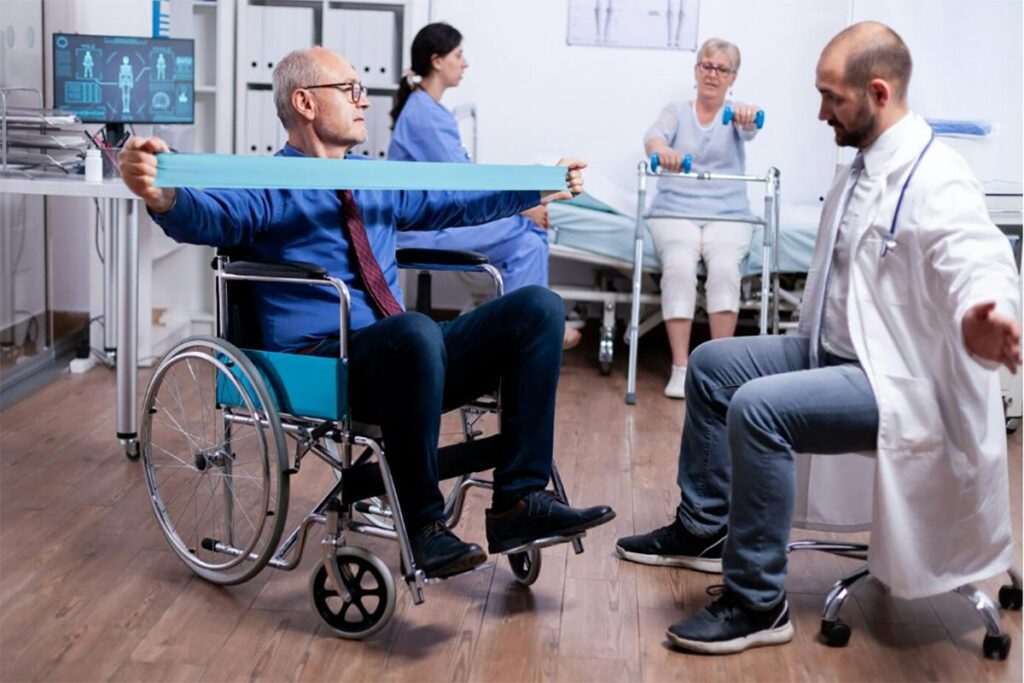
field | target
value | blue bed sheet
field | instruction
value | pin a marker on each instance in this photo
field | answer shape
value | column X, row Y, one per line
column 590, row 225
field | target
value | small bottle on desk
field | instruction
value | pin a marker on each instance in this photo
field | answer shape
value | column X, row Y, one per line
column 93, row 166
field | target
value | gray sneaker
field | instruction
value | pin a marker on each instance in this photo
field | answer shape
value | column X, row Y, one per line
column 674, row 546
column 727, row 626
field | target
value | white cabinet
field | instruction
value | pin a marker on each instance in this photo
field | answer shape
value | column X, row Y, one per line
column 370, row 35
column 1006, row 208
column 271, row 32
column 264, row 134
column 370, row 39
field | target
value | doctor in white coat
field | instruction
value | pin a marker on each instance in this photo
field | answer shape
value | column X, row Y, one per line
column 911, row 304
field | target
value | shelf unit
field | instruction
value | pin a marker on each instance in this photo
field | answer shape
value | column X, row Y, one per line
column 181, row 282
column 371, row 35
column 212, row 26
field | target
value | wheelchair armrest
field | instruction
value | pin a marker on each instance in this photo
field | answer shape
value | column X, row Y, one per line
column 425, row 258
column 295, row 270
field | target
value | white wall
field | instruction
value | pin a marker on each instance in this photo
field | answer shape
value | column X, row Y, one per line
column 967, row 65
column 538, row 98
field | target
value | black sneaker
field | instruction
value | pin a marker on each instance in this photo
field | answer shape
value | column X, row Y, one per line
column 540, row 515
column 674, row 546
column 440, row 553
column 726, row 626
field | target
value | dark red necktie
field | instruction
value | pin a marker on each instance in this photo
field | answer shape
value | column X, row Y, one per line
column 366, row 262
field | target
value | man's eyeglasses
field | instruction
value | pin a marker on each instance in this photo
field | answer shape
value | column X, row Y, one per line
column 355, row 89
column 708, row 67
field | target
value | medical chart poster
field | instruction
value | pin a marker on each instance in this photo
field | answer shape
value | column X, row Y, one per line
column 654, row 24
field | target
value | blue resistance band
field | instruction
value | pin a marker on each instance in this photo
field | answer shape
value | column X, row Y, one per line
column 312, row 173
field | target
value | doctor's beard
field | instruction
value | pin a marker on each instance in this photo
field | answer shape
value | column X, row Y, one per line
column 861, row 131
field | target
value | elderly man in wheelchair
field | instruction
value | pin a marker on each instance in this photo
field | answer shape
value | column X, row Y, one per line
column 331, row 346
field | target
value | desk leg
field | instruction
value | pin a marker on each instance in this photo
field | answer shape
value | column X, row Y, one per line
column 110, row 213
column 127, row 328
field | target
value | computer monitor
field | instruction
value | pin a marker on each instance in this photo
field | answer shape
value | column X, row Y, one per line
column 120, row 79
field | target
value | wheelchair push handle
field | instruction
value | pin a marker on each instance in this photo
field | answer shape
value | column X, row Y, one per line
column 727, row 117
column 687, row 164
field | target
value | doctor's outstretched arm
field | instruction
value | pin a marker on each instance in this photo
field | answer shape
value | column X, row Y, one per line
column 992, row 336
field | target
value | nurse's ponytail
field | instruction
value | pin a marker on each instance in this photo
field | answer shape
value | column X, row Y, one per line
column 433, row 39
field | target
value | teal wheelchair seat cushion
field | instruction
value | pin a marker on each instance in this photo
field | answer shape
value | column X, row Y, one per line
column 304, row 386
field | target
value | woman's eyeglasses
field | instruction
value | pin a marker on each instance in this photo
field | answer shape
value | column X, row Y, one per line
column 709, row 68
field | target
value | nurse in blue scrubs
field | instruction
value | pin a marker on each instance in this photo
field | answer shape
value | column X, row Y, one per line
column 425, row 130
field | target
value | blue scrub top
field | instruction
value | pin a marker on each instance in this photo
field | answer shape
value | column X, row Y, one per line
column 427, row 131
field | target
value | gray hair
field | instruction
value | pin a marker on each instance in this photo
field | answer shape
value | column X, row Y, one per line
column 297, row 70
column 719, row 45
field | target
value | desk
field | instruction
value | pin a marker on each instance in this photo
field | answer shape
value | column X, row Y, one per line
column 124, row 236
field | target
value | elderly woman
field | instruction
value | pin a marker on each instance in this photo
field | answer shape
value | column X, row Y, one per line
column 425, row 130
column 696, row 128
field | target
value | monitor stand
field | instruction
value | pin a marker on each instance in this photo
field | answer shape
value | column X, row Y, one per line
column 113, row 133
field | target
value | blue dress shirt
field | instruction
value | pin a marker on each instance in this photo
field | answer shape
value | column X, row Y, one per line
column 305, row 225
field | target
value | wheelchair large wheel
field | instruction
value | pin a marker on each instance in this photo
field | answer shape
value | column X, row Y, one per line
column 525, row 566
column 371, row 594
column 214, row 458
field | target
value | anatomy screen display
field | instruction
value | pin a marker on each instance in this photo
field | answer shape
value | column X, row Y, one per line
column 119, row 79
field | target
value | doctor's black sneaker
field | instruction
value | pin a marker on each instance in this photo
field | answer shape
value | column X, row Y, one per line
column 727, row 626
column 674, row 546
column 540, row 515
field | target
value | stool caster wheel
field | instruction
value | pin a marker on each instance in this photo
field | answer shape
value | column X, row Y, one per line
column 131, row 451
column 525, row 566
column 1010, row 597
column 836, row 633
column 371, row 594
column 996, row 647
column 606, row 368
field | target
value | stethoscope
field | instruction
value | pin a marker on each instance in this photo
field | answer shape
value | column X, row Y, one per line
column 890, row 241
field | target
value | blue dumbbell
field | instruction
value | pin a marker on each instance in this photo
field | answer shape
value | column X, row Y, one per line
column 727, row 116
column 687, row 163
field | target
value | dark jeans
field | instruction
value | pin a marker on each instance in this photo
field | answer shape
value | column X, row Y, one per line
column 404, row 371
column 750, row 403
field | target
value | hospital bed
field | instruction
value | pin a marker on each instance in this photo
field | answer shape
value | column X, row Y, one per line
column 591, row 232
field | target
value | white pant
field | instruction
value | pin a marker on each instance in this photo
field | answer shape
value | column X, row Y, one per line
column 681, row 245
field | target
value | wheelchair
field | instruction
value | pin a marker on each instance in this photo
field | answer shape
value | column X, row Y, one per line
column 219, row 415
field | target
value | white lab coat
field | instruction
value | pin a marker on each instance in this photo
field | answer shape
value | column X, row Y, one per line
column 941, row 514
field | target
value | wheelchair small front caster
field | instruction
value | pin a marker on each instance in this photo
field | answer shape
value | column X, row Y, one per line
column 525, row 566
column 371, row 594
column 996, row 647
column 1010, row 597
column 836, row 633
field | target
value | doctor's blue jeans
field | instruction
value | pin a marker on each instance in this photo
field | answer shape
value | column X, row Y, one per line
column 751, row 402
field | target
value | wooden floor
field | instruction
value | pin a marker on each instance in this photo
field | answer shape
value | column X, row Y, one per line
column 89, row 590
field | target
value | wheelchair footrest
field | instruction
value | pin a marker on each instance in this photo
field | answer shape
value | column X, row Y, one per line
column 543, row 543
column 364, row 481
column 441, row 579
